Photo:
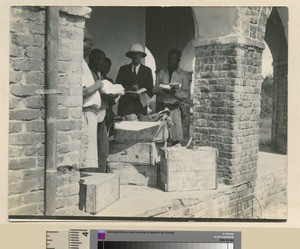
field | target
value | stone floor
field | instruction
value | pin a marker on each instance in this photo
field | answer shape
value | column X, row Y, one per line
column 137, row 200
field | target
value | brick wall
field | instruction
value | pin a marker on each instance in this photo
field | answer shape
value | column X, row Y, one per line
column 269, row 191
column 26, row 115
column 26, row 138
column 237, row 201
column 252, row 22
column 279, row 119
column 227, row 96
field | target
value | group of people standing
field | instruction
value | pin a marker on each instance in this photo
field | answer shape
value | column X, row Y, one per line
column 97, row 106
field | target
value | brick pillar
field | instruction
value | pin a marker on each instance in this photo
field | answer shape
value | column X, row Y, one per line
column 227, row 91
column 279, row 119
column 227, row 106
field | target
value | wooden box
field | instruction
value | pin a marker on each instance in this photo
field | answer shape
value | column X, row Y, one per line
column 141, row 131
column 134, row 152
column 188, row 169
column 98, row 191
column 135, row 174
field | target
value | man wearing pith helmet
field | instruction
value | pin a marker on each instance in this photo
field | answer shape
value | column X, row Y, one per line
column 133, row 77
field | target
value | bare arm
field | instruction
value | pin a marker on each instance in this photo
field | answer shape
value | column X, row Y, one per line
column 181, row 94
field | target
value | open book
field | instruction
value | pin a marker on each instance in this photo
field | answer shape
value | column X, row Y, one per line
column 142, row 90
column 144, row 97
column 170, row 86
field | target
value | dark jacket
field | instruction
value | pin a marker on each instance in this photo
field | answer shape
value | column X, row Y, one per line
column 127, row 103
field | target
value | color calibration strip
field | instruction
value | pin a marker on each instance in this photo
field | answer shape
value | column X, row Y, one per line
column 116, row 239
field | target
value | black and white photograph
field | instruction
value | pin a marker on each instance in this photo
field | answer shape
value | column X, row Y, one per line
column 148, row 113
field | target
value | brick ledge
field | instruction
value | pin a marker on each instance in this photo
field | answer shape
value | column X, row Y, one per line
column 228, row 40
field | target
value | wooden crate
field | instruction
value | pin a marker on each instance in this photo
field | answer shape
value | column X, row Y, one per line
column 98, row 191
column 188, row 169
column 141, row 131
column 132, row 174
column 134, row 152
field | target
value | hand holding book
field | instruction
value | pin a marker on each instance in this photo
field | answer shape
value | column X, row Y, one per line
column 170, row 88
column 137, row 92
column 111, row 89
column 140, row 94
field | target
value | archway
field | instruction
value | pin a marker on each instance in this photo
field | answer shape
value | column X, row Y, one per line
column 157, row 28
column 276, row 38
column 167, row 28
column 265, row 123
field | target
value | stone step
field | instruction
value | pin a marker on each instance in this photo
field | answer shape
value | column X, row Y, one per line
column 98, row 191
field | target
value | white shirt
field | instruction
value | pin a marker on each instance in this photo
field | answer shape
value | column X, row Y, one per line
column 88, row 80
column 137, row 68
column 178, row 76
column 102, row 110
